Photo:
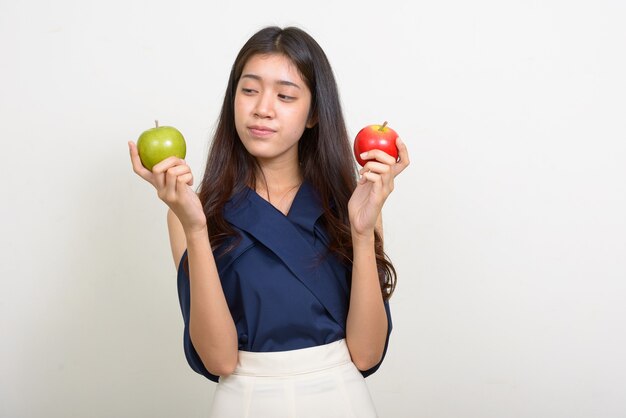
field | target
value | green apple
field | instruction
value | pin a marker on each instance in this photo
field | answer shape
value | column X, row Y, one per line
column 158, row 143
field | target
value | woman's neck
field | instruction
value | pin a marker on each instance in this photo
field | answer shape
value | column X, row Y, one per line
column 278, row 175
column 278, row 184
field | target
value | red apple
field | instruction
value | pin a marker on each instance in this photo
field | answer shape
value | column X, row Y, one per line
column 375, row 137
column 158, row 143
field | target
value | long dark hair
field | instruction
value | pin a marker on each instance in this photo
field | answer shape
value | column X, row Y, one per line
column 324, row 150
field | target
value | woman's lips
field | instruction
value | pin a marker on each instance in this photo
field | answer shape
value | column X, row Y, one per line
column 261, row 131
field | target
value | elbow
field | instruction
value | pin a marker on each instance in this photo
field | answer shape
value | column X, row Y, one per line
column 366, row 361
column 222, row 368
column 219, row 361
column 366, row 354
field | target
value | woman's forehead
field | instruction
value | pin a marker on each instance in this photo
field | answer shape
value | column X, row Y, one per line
column 272, row 68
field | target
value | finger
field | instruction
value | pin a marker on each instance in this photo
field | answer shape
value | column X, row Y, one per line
column 385, row 174
column 403, row 157
column 378, row 190
column 138, row 168
column 185, row 179
column 378, row 155
column 371, row 177
column 161, row 168
column 172, row 181
column 166, row 164
column 376, row 167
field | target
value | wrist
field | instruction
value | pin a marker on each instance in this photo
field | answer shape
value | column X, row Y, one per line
column 361, row 238
column 196, row 235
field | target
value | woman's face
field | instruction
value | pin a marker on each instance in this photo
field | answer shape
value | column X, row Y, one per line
column 272, row 105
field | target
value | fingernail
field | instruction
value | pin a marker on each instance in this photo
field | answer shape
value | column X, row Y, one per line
column 399, row 141
column 363, row 155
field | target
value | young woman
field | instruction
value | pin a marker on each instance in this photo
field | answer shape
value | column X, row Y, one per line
column 282, row 278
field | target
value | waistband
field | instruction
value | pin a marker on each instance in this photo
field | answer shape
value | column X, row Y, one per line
column 293, row 362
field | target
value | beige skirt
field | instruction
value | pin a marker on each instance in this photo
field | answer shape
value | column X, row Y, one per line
column 311, row 382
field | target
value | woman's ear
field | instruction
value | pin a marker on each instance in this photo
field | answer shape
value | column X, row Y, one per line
column 311, row 122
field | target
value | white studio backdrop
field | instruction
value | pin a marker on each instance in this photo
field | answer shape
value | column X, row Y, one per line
column 508, row 229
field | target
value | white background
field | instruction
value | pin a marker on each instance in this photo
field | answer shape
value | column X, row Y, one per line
column 508, row 229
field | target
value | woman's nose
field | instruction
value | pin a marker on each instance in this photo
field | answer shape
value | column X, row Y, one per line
column 264, row 107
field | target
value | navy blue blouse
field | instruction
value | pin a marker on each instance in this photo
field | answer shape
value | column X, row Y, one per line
column 284, row 290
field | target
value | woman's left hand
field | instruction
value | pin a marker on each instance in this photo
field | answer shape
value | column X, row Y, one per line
column 374, row 186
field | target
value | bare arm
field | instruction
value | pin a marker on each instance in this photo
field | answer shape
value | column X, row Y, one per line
column 367, row 320
column 366, row 329
column 211, row 326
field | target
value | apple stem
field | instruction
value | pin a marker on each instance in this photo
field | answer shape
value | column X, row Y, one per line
column 156, row 122
column 383, row 127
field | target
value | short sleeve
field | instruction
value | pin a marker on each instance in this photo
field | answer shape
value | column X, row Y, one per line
column 184, row 297
column 368, row 372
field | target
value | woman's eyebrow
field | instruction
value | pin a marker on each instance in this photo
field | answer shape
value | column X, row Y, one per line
column 281, row 82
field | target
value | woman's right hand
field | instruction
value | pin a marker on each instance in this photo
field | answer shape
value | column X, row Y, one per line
column 172, row 179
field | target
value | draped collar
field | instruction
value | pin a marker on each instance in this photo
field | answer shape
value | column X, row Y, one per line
column 264, row 223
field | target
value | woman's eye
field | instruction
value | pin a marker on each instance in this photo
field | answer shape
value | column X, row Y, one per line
column 285, row 97
column 247, row 91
